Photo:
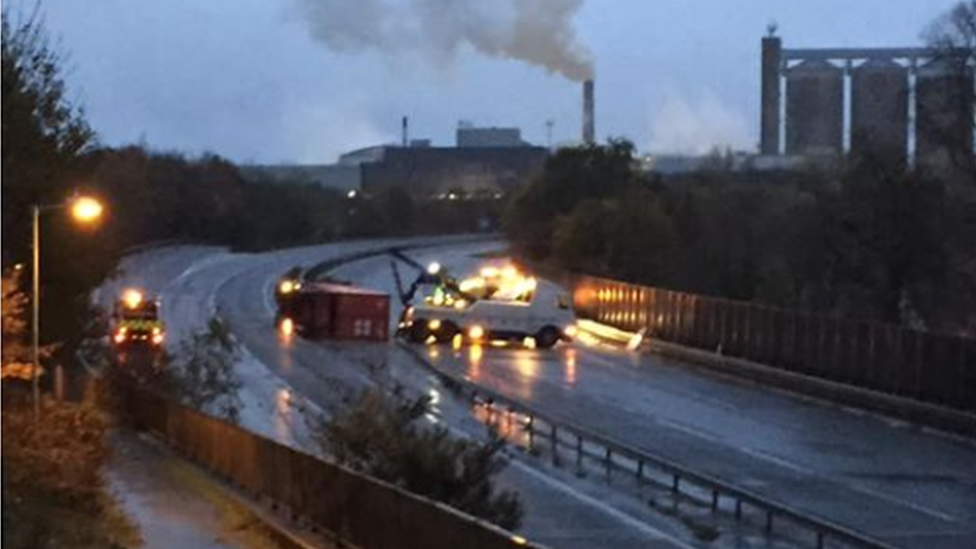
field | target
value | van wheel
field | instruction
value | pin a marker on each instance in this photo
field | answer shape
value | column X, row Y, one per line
column 447, row 332
column 418, row 332
column 547, row 338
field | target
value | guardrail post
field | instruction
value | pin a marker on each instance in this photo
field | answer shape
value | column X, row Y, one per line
column 609, row 463
column 579, row 453
column 820, row 539
column 555, row 443
column 738, row 509
column 530, row 428
column 675, row 483
column 640, row 471
column 769, row 522
column 714, row 500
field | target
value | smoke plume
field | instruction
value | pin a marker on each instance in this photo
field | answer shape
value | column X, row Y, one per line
column 537, row 32
column 696, row 125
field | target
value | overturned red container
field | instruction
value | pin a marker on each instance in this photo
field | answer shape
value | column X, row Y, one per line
column 323, row 310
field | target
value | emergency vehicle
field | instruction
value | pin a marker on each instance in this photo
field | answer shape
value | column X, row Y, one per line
column 136, row 322
column 499, row 303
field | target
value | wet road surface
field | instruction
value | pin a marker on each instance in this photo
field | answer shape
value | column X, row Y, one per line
column 906, row 486
column 909, row 487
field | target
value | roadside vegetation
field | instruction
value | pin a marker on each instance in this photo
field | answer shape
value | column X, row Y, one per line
column 54, row 494
column 869, row 240
column 383, row 435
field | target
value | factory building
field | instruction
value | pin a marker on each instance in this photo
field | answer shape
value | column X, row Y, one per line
column 469, row 136
column 836, row 101
column 434, row 172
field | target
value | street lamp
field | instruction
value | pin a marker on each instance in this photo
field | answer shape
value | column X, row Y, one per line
column 85, row 210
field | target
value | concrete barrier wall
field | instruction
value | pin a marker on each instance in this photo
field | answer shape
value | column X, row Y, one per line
column 360, row 511
column 933, row 368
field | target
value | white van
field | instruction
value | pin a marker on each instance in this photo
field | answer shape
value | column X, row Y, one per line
column 539, row 315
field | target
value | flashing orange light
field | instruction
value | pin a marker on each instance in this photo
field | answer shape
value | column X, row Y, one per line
column 132, row 298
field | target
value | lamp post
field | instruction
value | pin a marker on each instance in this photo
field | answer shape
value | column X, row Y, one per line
column 84, row 209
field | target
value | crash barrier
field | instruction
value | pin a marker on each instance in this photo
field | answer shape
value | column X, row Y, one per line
column 568, row 443
column 321, row 269
column 932, row 368
column 356, row 509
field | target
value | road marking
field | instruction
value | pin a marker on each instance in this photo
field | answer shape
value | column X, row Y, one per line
column 617, row 514
column 802, row 469
column 266, row 296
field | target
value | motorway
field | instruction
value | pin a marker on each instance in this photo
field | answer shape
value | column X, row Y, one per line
column 907, row 486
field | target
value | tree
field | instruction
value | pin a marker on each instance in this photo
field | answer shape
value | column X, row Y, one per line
column 570, row 177
column 380, row 435
column 953, row 35
column 43, row 133
column 16, row 352
column 202, row 373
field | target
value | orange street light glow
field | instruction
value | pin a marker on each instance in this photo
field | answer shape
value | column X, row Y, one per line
column 86, row 209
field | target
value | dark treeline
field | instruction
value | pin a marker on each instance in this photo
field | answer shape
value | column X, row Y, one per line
column 159, row 196
column 870, row 240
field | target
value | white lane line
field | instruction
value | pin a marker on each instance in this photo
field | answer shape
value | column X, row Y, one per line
column 565, row 488
column 693, row 431
column 802, row 469
column 617, row 514
column 904, row 503
column 266, row 296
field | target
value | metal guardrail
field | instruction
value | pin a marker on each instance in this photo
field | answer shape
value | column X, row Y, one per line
column 317, row 271
column 562, row 433
column 938, row 369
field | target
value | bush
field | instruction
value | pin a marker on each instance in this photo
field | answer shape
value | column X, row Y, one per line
column 53, row 492
column 380, row 436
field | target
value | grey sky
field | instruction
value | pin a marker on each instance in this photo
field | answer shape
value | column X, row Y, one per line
column 245, row 78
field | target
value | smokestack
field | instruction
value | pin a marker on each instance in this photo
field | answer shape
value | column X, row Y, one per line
column 405, row 131
column 589, row 124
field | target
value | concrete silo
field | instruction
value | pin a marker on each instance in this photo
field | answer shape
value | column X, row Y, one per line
column 814, row 109
column 879, row 110
column 944, row 113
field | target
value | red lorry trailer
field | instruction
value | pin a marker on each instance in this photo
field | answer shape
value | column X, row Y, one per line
column 322, row 310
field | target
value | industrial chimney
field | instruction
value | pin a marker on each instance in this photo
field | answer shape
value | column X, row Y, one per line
column 405, row 131
column 589, row 129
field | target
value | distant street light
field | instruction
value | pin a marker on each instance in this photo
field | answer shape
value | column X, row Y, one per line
column 84, row 209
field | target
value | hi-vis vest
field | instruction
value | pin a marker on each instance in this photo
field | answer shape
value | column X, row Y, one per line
column 140, row 324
